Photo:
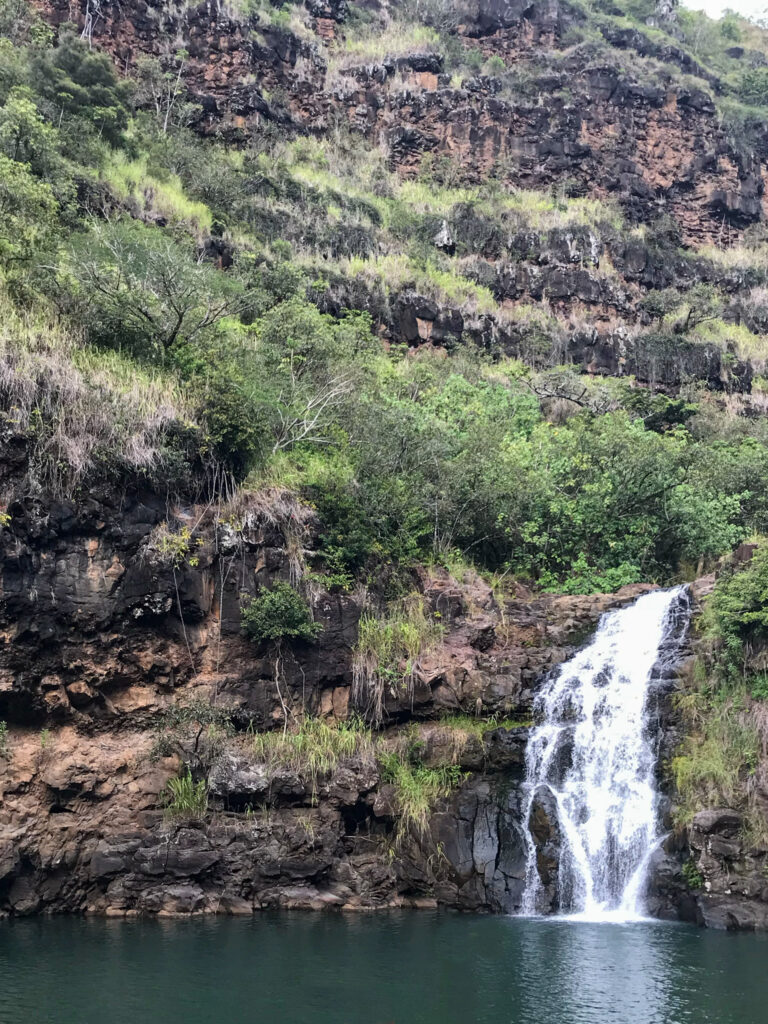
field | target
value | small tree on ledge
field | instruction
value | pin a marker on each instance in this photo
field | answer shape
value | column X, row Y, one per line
column 274, row 617
column 277, row 615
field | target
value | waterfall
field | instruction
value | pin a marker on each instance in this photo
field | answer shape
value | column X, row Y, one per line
column 591, row 805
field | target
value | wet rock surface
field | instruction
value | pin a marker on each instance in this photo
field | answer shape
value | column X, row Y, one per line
column 731, row 890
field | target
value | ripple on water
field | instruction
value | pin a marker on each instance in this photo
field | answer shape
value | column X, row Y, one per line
column 404, row 968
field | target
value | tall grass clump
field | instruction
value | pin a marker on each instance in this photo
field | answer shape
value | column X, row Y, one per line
column 719, row 755
column 417, row 789
column 186, row 799
column 131, row 179
column 376, row 43
column 386, row 657
column 313, row 748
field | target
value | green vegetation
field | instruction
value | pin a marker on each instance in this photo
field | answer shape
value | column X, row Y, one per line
column 175, row 547
column 312, row 747
column 186, row 799
column 387, row 653
column 719, row 754
column 736, row 616
column 704, row 41
column 724, row 701
column 417, row 789
column 189, row 311
column 475, row 726
column 277, row 615
column 4, row 747
column 88, row 411
column 692, row 875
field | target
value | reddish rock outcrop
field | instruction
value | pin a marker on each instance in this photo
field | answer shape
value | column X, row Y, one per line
column 101, row 634
column 604, row 128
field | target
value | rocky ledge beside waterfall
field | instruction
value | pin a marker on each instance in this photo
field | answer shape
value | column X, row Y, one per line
column 112, row 639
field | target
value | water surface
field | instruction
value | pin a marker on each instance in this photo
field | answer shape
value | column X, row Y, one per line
column 406, row 968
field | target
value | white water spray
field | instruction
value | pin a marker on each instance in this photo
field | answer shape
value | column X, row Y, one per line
column 591, row 761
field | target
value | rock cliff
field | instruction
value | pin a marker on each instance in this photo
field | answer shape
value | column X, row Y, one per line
column 101, row 635
column 592, row 120
column 121, row 605
column 573, row 109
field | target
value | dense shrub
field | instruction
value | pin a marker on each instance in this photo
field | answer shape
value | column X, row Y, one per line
column 235, row 427
column 754, row 86
column 278, row 614
column 78, row 82
column 736, row 615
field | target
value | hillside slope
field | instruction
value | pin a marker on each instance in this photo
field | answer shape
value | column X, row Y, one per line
column 354, row 358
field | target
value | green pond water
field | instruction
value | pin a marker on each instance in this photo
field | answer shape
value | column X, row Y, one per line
column 407, row 968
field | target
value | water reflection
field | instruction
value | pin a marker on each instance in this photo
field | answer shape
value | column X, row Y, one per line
column 604, row 972
column 389, row 969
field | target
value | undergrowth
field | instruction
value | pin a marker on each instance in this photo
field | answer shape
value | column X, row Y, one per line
column 723, row 759
column 186, row 799
column 312, row 747
column 417, row 789
column 386, row 657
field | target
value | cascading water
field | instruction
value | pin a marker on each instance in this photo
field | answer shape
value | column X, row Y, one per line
column 591, row 762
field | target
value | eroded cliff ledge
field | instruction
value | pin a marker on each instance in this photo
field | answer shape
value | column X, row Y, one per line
column 100, row 636
column 597, row 122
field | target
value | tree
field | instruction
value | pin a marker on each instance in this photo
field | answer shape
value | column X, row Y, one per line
column 729, row 27
column 78, row 82
column 24, row 135
column 704, row 305
column 235, row 425
column 277, row 616
column 160, row 86
column 659, row 303
column 309, row 365
column 21, row 24
column 142, row 289
column 28, row 211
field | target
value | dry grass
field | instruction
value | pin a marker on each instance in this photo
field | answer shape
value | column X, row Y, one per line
column 277, row 507
column 372, row 46
column 131, row 180
column 82, row 410
column 312, row 748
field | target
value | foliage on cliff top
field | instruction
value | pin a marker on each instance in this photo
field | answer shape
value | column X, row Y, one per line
column 195, row 282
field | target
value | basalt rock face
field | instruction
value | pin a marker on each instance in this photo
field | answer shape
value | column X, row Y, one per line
column 731, row 891
column 605, row 129
column 101, row 634
column 608, row 119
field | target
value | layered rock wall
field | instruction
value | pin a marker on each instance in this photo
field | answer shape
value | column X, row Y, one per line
column 101, row 635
